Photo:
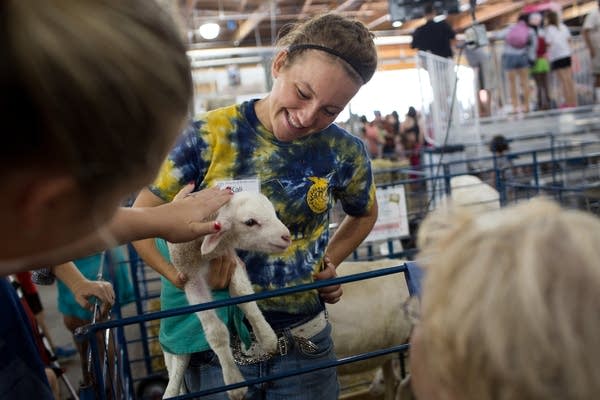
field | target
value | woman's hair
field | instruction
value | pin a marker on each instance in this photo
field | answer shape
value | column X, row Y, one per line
column 535, row 20
column 552, row 18
column 96, row 87
column 347, row 40
column 524, row 18
column 499, row 144
column 510, row 304
column 428, row 8
column 412, row 112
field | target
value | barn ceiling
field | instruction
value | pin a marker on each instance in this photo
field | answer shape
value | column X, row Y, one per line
column 256, row 23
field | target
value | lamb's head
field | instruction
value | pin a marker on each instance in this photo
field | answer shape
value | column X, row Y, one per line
column 249, row 222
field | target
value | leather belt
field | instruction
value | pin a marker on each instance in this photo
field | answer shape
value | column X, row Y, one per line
column 311, row 327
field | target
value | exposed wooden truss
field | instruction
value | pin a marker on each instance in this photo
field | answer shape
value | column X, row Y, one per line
column 251, row 23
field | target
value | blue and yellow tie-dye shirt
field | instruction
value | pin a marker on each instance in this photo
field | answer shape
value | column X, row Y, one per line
column 302, row 178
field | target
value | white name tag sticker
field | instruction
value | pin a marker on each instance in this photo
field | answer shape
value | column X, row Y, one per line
column 241, row 185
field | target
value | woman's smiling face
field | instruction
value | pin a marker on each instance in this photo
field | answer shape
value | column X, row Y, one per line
column 307, row 95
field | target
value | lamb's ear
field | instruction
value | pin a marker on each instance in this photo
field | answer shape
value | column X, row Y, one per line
column 212, row 240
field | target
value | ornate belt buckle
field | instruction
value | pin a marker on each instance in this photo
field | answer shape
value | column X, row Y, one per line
column 306, row 345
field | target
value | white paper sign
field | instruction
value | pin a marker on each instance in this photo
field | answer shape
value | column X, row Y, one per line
column 392, row 221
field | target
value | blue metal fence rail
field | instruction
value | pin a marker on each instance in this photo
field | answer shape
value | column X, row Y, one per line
column 542, row 170
column 87, row 334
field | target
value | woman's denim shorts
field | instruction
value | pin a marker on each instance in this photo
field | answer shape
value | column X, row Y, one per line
column 515, row 61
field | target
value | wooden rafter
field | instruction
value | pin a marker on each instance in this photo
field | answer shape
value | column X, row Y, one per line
column 252, row 22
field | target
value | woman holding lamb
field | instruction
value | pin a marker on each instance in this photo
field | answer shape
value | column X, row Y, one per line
column 286, row 146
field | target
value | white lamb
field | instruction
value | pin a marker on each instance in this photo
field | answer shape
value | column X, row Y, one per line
column 248, row 222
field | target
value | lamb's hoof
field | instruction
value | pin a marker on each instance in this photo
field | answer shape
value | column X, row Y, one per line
column 170, row 391
column 231, row 377
column 268, row 341
column 237, row 394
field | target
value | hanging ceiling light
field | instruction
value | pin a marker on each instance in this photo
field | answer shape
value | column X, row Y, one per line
column 209, row 30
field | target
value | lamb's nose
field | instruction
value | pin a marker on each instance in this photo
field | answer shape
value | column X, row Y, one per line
column 286, row 238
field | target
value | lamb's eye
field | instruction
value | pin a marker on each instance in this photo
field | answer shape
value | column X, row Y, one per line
column 251, row 222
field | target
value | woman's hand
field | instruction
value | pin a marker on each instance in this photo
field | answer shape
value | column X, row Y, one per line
column 85, row 289
column 221, row 271
column 189, row 215
column 329, row 294
column 176, row 277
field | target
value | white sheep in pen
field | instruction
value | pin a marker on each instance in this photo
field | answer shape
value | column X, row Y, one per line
column 248, row 222
column 466, row 191
column 470, row 191
column 369, row 315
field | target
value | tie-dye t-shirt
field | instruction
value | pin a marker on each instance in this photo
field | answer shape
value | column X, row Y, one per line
column 302, row 178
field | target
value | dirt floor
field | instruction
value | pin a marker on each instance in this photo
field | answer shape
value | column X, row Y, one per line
column 356, row 386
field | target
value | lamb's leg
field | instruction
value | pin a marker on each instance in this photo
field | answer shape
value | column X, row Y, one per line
column 176, row 365
column 217, row 335
column 389, row 380
column 240, row 285
column 404, row 390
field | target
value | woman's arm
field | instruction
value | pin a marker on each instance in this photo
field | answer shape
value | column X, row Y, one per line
column 588, row 42
column 421, row 125
column 147, row 249
column 179, row 221
column 83, row 289
column 348, row 236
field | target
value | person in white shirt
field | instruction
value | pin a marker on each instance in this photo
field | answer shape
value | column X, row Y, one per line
column 591, row 35
column 559, row 54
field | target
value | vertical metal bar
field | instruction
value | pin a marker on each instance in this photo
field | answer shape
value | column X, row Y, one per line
column 94, row 366
column 536, row 177
column 136, row 266
column 553, row 159
column 370, row 251
column 447, row 178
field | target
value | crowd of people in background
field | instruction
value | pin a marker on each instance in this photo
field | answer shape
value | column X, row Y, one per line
column 394, row 139
column 536, row 57
column 550, row 53
column 538, row 46
column 591, row 35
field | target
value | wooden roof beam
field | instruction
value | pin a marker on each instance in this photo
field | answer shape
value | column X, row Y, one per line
column 251, row 23
column 378, row 21
column 305, row 7
column 349, row 4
